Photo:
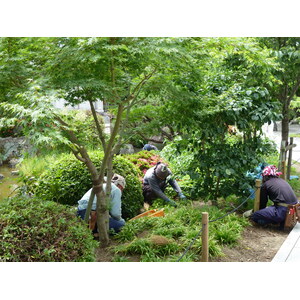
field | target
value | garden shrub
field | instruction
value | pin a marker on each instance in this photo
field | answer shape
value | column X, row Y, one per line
column 33, row 230
column 219, row 169
column 144, row 160
column 68, row 179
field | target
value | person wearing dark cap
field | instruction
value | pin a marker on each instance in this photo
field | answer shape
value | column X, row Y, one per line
column 149, row 147
column 279, row 192
column 155, row 182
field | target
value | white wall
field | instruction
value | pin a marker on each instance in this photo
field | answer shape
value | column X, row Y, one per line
column 61, row 103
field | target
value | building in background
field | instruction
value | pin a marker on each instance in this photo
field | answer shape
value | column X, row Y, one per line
column 61, row 104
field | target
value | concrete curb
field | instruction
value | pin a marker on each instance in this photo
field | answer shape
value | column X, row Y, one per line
column 290, row 249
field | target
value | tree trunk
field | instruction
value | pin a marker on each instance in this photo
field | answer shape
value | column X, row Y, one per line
column 102, row 217
column 102, row 206
column 285, row 128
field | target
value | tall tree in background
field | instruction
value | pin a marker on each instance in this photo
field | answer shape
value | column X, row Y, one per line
column 14, row 67
column 229, row 84
column 287, row 53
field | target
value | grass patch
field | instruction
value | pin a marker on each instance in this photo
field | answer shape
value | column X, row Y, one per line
column 166, row 238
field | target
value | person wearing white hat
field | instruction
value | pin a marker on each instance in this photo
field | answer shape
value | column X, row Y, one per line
column 116, row 222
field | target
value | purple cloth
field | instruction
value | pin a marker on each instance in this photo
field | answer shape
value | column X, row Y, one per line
column 269, row 215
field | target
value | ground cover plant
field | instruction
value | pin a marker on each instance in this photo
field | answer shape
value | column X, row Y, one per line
column 33, row 230
column 164, row 239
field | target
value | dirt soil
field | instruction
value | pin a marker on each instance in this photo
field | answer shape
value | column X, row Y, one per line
column 257, row 244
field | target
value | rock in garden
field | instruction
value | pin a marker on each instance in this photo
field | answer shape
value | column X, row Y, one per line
column 13, row 162
column 2, row 176
column 127, row 149
column 200, row 204
column 159, row 240
column 12, row 147
column 15, row 173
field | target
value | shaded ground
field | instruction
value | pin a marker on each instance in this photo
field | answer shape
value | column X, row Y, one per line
column 256, row 245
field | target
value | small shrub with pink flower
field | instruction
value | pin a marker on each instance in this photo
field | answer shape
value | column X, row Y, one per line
column 144, row 160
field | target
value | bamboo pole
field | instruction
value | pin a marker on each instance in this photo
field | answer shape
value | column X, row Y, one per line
column 283, row 170
column 257, row 195
column 205, row 237
column 288, row 172
column 282, row 155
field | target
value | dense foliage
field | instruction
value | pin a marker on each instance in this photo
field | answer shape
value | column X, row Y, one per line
column 32, row 230
column 67, row 180
column 218, row 170
column 186, row 90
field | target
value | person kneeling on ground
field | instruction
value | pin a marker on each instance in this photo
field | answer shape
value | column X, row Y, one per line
column 277, row 190
column 115, row 220
column 155, row 182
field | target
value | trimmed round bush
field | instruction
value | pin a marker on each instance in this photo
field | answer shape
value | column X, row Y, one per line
column 68, row 179
column 33, row 230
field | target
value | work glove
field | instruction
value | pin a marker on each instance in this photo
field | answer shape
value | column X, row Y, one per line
column 171, row 202
column 248, row 213
column 181, row 196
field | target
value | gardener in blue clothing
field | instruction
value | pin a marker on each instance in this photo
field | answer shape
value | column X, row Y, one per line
column 155, row 182
column 115, row 220
column 149, row 147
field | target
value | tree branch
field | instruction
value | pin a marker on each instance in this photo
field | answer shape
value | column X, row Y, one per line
column 77, row 156
column 137, row 89
column 99, row 129
column 149, row 139
column 294, row 91
column 109, row 145
column 83, row 152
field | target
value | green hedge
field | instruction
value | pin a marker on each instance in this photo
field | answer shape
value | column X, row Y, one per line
column 68, row 179
column 33, row 230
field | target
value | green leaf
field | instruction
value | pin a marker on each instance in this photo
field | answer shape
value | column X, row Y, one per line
column 228, row 172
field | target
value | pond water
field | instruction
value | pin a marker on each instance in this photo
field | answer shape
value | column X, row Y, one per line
column 9, row 183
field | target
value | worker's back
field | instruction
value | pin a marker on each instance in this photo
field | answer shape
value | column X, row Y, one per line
column 279, row 190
